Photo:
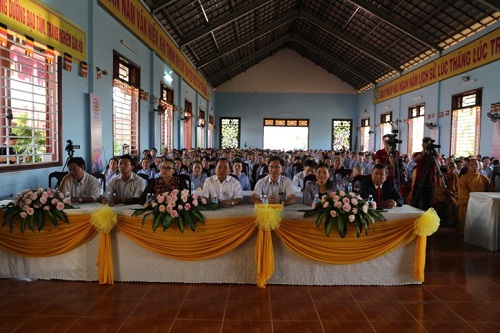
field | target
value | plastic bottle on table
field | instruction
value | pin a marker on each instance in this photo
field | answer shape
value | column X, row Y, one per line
column 67, row 196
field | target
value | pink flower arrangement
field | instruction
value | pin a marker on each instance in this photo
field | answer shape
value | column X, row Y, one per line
column 32, row 207
column 340, row 208
column 176, row 206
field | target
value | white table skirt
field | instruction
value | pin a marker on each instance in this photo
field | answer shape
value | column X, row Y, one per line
column 482, row 222
column 135, row 263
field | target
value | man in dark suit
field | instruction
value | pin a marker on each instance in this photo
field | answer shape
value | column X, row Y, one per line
column 383, row 190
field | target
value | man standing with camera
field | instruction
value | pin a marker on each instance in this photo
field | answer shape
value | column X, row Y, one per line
column 426, row 180
column 388, row 155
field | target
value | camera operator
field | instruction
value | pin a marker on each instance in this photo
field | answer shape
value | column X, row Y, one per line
column 426, row 180
column 388, row 155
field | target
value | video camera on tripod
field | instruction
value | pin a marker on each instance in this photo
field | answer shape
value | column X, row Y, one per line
column 431, row 146
column 392, row 140
column 70, row 148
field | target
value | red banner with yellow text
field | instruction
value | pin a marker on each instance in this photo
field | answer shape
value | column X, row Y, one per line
column 475, row 54
column 43, row 25
column 136, row 17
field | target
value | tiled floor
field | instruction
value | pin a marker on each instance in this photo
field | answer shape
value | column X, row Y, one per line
column 461, row 294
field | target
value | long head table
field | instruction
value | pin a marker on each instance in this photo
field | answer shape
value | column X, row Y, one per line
column 223, row 250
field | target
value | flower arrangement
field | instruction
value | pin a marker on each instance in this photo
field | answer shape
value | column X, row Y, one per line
column 33, row 206
column 175, row 206
column 340, row 208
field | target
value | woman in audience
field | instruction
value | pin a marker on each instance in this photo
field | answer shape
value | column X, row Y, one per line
column 323, row 185
column 146, row 170
column 197, row 176
column 243, row 178
column 165, row 183
column 111, row 169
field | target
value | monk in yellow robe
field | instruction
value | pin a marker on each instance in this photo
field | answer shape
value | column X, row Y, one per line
column 472, row 181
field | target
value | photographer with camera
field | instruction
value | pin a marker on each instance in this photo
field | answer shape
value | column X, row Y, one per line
column 426, row 177
column 388, row 155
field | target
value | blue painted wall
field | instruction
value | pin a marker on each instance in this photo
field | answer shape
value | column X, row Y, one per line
column 320, row 109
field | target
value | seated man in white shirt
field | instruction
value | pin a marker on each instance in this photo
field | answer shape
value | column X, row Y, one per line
column 277, row 187
column 298, row 179
column 82, row 186
column 227, row 189
column 127, row 187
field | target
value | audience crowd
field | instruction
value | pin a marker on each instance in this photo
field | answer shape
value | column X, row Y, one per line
column 424, row 179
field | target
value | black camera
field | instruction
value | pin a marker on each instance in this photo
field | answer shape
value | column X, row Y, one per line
column 70, row 147
column 431, row 146
column 391, row 139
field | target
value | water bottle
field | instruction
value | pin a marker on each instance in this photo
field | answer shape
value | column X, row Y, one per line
column 370, row 201
column 109, row 197
column 264, row 199
column 316, row 199
column 67, row 196
column 192, row 188
column 215, row 200
column 149, row 198
column 349, row 187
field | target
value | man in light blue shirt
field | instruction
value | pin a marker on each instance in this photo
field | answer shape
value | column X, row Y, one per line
column 277, row 187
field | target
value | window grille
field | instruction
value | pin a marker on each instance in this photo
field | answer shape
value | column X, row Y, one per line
column 125, row 106
column 230, row 132
column 416, row 123
column 341, row 134
column 29, row 107
column 385, row 126
column 167, row 118
column 365, row 134
column 465, row 123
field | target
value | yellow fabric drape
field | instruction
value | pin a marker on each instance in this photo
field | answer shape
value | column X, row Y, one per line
column 105, row 272
column 217, row 237
column 308, row 241
column 419, row 265
column 214, row 238
column 49, row 241
column 264, row 257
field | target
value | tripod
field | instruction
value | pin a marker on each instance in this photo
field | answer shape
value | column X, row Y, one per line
column 424, row 193
column 393, row 158
column 70, row 156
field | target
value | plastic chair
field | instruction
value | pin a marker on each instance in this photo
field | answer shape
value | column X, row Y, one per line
column 58, row 175
column 187, row 181
column 102, row 179
column 143, row 176
column 311, row 178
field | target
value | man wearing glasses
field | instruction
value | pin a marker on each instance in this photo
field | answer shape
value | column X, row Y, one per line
column 82, row 186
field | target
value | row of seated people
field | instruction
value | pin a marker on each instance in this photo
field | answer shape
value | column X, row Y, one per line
column 129, row 188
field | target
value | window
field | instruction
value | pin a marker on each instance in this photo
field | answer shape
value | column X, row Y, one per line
column 210, row 131
column 341, row 134
column 230, row 132
column 126, row 84
column 188, row 116
column 201, row 129
column 465, row 123
column 286, row 134
column 365, row 134
column 167, row 117
column 416, row 119
column 385, row 126
column 29, row 108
